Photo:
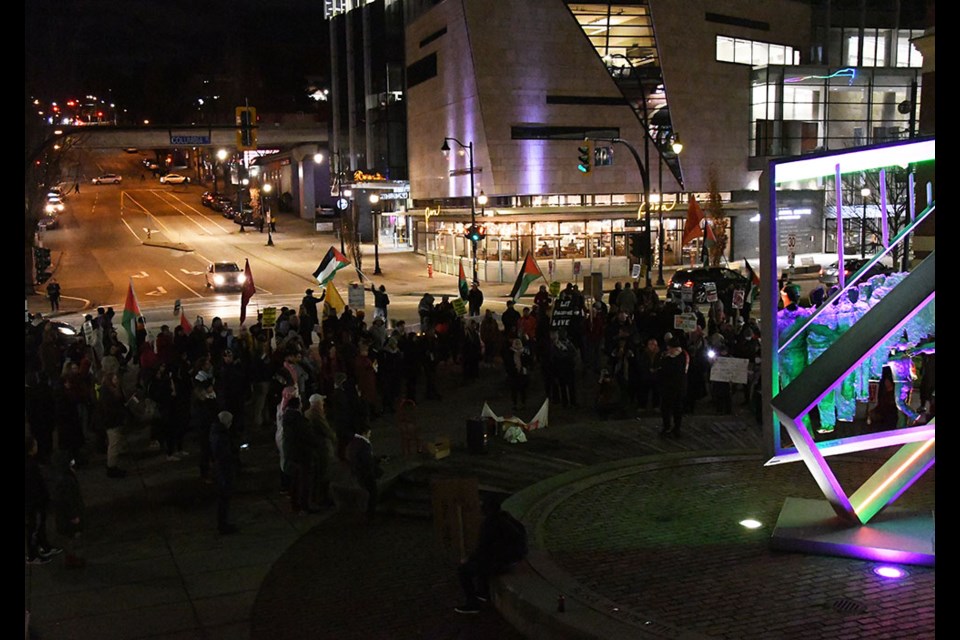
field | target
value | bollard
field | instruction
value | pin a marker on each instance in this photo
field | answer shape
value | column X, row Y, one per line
column 429, row 269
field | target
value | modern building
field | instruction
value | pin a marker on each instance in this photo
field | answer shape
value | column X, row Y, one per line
column 520, row 91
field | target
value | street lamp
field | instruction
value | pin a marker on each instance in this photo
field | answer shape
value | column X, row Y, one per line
column 222, row 155
column 676, row 146
column 473, row 200
column 864, row 194
column 265, row 211
column 375, row 219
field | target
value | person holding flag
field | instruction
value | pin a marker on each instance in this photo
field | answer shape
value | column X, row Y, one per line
column 528, row 274
column 332, row 262
column 249, row 288
column 131, row 314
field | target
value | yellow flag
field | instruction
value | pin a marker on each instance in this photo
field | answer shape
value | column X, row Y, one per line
column 333, row 299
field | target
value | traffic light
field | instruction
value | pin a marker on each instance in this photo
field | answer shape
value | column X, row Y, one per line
column 246, row 128
column 585, row 157
column 42, row 257
column 475, row 233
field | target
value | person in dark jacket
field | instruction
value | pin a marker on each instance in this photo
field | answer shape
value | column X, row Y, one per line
column 501, row 543
column 673, row 386
column 365, row 467
column 36, row 503
column 475, row 299
column 301, row 446
column 68, row 507
column 225, row 457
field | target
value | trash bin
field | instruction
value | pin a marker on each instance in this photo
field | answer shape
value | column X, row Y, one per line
column 476, row 435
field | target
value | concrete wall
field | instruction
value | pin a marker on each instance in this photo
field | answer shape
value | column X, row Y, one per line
column 709, row 100
column 496, row 64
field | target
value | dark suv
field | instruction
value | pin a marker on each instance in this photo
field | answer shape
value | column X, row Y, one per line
column 695, row 280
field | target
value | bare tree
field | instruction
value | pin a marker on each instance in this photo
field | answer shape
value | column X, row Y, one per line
column 719, row 222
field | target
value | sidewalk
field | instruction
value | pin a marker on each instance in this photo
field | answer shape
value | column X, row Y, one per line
column 645, row 545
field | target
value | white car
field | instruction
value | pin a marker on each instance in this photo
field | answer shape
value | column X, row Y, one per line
column 225, row 275
column 108, row 178
column 174, row 178
column 54, row 205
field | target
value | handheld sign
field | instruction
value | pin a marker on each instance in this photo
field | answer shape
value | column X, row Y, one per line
column 356, row 296
column 729, row 370
column 635, row 273
column 710, row 288
column 269, row 317
column 685, row 321
column 554, row 289
column 459, row 306
column 176, row 307
column 737, row 301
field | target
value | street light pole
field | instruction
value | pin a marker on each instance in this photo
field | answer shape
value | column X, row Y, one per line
column 267, row 188
column 645, row 177
column 676, row 147
column 473, row 201
column 864, row 194
column 375, row 220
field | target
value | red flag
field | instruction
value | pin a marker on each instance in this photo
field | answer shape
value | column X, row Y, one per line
column 184, row 324
column 247, row 291
column 691, row 229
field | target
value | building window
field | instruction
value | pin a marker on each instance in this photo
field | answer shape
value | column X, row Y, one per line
column 754, row 53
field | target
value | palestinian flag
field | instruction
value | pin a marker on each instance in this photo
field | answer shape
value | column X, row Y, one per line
column 333, row 299
column 540, row 420
column 131, row 312
column 462, row 284
column 331, row 263
column 247, row 291
column 529, row 272
column 754, row 280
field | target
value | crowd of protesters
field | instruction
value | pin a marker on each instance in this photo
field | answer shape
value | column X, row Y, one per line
column 316, row 378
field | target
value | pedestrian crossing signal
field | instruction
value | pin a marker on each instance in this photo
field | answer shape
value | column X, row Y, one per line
column 585, row 157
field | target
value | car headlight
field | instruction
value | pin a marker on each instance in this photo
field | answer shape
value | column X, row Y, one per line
column 241, row 278
column 49, row 208
column 218, row 279
column 67, row 331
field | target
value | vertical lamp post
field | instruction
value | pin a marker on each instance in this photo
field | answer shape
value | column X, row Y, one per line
column 265, row 210
column 375, row 226
column 473, row 201
column 221, row 156
column 864, row 194
column 677, row 147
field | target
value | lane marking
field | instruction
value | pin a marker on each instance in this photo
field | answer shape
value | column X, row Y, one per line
column 184, row 284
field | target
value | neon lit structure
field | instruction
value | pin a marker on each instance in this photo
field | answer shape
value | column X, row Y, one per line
column 892, row 321
column 849, row 72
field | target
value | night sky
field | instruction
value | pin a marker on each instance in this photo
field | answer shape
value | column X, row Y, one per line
column 149, row 57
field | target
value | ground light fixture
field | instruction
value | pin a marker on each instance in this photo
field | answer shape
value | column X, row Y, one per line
column 890, row 572
column 750, row 523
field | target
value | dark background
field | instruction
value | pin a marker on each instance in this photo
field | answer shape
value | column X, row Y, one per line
column 155, row 59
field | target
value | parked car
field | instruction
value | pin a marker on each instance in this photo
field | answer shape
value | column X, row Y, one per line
column 108, row 178
column 828, row 274
column 223, row 204
column 48, row 221
column 174, row 178
column 244, row 218
column 207, row 198
column 694, row 281
column 224, row 275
